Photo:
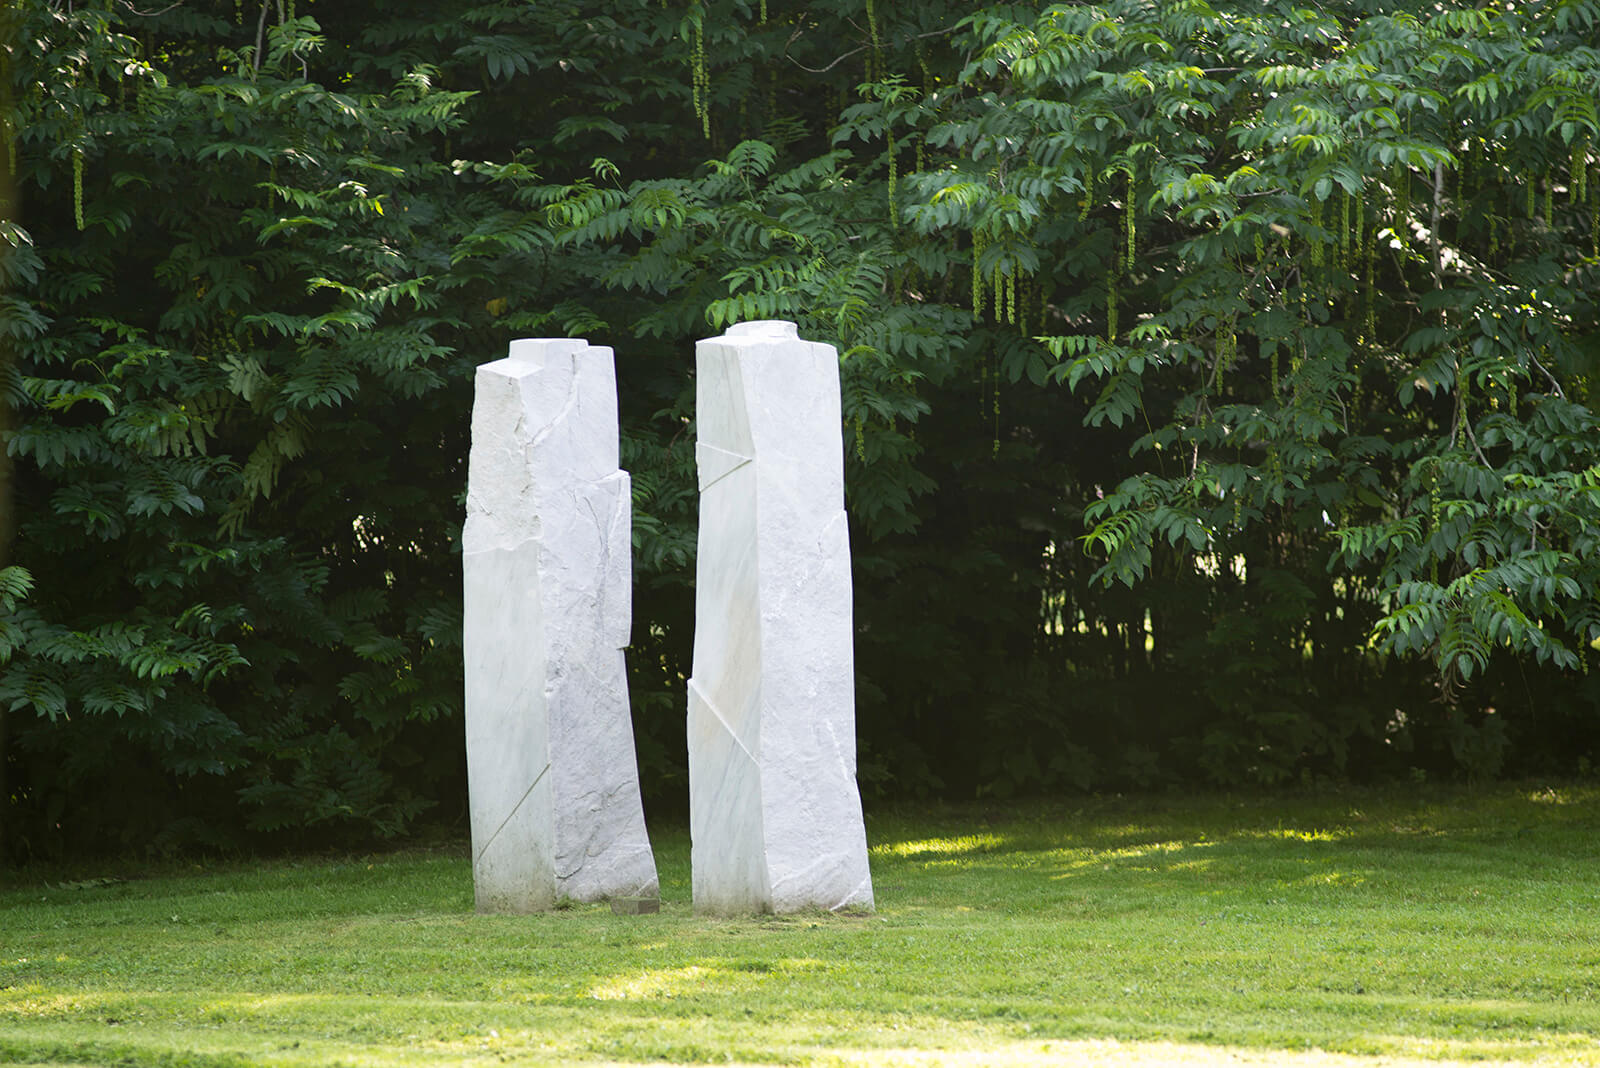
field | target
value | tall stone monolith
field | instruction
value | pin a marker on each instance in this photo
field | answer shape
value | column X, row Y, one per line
column 774, row 811
column 546, row 552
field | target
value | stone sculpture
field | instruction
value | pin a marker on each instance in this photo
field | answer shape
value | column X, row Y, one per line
column 774, row 812
column 546, row 553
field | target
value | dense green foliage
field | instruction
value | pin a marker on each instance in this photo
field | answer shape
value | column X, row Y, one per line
column 1218, row 379
column 1424, row 928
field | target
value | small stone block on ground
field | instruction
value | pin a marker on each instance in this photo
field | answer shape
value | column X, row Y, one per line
column 635, row 906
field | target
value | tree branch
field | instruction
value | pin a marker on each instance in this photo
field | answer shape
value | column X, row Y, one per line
column 1555, row 385
column 261, row 30
column 823, row 70
column 150, row 14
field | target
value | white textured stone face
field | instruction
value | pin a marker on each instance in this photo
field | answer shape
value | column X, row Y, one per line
column 546, row 554
column 774, row 812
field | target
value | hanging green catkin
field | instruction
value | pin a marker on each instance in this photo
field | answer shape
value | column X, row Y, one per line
column 763, row 12
column 894, row 216
column 978, row 244
column 704, row 72
column 1274, row 361
column 701, row 79
column 1463, row 388
column 1261, row 248
column 1533, row 192
column 861, row 438
column 1011, row 296
column 922, row 141
column 999, row 294
column 1433, row 521
column 1128, row 213
column 694, row 63
column 1549, row 198
column 1594, row 220
column 77, row 187
column 1226, row 340
column 1580, row 171
column 1111, row 304
column 1402, row 207
column 1088, row 194
column 1316, row 238
column 1022, row 310
column 1344, row 229
column 1361, row 223
column 877, row 51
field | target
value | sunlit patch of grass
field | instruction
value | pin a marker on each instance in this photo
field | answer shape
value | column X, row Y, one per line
column 1441, row 927
column 1321, row 834
column 721, row 976
column 941, row 847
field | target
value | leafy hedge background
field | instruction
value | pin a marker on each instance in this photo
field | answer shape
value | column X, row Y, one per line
column 1218, row 381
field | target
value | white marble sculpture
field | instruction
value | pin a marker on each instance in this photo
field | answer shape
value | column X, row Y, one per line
column 774, row 812
column 546, row 552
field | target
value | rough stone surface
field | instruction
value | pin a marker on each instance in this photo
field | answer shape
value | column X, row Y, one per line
column 774, row 812
column 552, row 776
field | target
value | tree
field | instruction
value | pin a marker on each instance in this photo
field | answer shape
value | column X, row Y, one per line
column 1286, row 316
column 1355, row 265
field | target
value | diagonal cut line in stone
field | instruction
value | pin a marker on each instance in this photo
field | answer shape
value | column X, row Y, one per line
column 520, row 801
column 716, row 464
column 568, row 405
column 717, row 712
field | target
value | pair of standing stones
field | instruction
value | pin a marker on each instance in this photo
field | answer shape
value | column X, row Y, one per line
column 775, row 816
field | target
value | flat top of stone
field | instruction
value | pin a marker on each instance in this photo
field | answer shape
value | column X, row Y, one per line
column 539, row 348
column 779, row 328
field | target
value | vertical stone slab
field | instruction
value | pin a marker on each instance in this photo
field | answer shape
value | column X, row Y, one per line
column 546, row 557
column 774, row 812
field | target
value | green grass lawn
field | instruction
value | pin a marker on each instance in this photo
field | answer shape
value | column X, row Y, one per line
column 1356, row 928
